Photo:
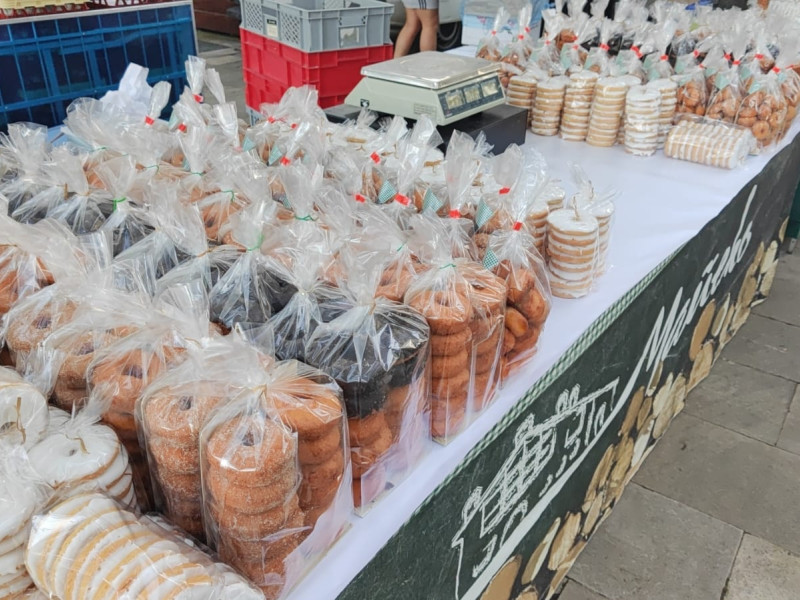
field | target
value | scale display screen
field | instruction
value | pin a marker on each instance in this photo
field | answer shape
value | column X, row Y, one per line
column 470, row 96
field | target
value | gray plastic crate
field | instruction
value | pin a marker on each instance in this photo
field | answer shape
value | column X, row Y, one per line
column 320, row 25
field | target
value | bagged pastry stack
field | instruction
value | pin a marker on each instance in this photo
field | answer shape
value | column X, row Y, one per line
column 578, row 97
column 521, row 91
column 642, row 113
column 668, row 92
column 547, row 106
column 573, row 246
column 606, row 113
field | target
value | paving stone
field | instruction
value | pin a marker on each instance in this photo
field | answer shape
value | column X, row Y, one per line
column 575, row 591
column 768, row 345
column 226, row 59
column 736, row 479
column 790, row 434
column 781, row 304
column 763, row 571
column 743, row 399
column 655, row 548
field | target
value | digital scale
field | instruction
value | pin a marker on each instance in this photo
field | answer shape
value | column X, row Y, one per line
column 457, row 92
column 445, row 87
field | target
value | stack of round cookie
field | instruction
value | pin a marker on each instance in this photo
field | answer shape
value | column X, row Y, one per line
column 642, row 113
column 87, row 547
column 536, row 221
column 554, row 195
column 577, row 105
column 488, row 299
column 84, row 454
column 313, row 409
column 250, row 481
column 607, row 108
column 546, row 113
column 443, row 297
column 370, row 440
column 171, row 420
column 572, row 249
column 17, row 504
column 603, row 214
column 668, row 91
column 521, row 91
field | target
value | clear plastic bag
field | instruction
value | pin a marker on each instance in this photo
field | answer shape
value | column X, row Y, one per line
column 572, row 251
column 22, row 494
column 171, row 412
column 377, row 351
column 273, row 460
column 88, row 546
column 489, row 45
column 726, row 94
column 713, row 143
column 656, row 64
column 763, row 109
column 25, row 149
column 598, row 60
column 82, row 452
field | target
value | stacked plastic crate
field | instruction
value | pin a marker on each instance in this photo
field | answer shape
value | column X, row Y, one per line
column 47, row 61
column 323, row 43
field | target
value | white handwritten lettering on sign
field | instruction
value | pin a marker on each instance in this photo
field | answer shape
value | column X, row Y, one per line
column 545, row 455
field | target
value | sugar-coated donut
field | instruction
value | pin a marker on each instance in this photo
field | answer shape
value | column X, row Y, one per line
column 76, row 361
column 67, row 397
column 247, row 449
column 533, row 306
column 450, row 366
column 489, row 345
column 447, row 345
column 177, row 417
column 447, row 311
column 324, row 473
column 364, row 430
column 253, row 499
column 181, row 459
column 317, row 497
column 314, row 417
column 365, row 457
column 314, row 452
column 30, row 325
column 450, row 386
column 252, row 527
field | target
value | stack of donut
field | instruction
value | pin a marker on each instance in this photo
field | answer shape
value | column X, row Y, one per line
column 24, row 415
column 488, row 299
column 117, row 376
column 445, row 303
column 78, row 453
column 171, row 420
column 526, row 311
column 87, row 547
column 250, row 480
column 370, row 441
column 18, row 502
column 314, row 411
column 691, row 97
column 31, row 320
column 724, row 104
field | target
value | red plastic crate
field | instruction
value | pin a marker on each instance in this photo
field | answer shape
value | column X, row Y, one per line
column 270, row 68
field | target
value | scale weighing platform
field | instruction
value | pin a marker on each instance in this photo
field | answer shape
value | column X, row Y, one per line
column 446, row 87
column 457, row 93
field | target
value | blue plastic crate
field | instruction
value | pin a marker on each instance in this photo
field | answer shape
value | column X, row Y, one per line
column 47, row 63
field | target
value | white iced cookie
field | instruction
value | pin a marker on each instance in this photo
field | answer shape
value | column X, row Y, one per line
column 237, row 588
column 23, row 410
column 68, row 456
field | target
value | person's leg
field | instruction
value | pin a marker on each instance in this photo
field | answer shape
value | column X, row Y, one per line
column 407, row 34
column 430, row 27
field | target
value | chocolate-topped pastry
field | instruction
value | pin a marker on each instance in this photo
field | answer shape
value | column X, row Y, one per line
column 369, row 350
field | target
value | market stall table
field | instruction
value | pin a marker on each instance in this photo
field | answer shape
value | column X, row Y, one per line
column 692, row 248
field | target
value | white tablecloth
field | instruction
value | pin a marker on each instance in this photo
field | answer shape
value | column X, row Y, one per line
column 663, row 204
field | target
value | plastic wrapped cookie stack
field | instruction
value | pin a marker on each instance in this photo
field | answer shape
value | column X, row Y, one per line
column 716, row 144
column 578, row 98
column 547, row 106
column 88, row 547
column 608, row 106
column 521, row 92
column 668, row 92
column 24, row 416
column 536, row 220
column 573, row 244
column 642, row 111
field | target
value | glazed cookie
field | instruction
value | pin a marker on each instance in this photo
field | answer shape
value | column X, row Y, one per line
column 24, row 415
